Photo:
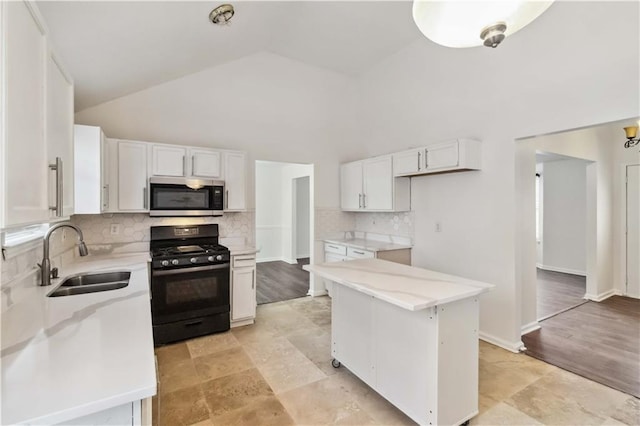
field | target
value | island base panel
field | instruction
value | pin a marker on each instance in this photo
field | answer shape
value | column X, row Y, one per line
column 424, row 362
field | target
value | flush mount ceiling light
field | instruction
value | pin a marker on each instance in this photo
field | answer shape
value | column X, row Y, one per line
column 221, row 15
column 631, row 132
column 454, row 23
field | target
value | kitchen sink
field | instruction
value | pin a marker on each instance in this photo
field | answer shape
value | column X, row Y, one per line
column 92, row 283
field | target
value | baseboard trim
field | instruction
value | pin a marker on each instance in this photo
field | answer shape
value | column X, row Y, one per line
column 602, row 296
column 290, row 261
column 315, row 293
column 514, row 347
column 269, row 259
column 563, row 270
column 528, row 328
column 243, row 322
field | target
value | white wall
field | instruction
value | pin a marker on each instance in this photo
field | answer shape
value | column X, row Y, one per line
column 274, row 108
column 302, row 217
column 564, row 232
column 527, row 86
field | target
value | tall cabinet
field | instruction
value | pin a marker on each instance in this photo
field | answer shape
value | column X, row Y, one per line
column 37, row 118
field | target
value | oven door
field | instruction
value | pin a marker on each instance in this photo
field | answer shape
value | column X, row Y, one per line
column 181, row 294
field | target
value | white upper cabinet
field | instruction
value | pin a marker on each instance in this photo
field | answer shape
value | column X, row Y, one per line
column 408, row 162
column 168, row 160
column 377, row 184
column 132, row 176
column 234, row 181
column 176, row 160
column 37, row 121
column 59, row 137
column 205, row 163
column 91, row 162
column 351, row 185
column 451, row 156
column 369, row 185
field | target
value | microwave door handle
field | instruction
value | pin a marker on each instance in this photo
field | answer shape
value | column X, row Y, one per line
column 184, row 165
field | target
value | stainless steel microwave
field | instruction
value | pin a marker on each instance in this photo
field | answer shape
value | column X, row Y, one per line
column 185, row 197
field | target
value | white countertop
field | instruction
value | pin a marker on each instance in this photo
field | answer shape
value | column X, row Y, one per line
column 367, row 244
column 66, row 357
column 405, row 286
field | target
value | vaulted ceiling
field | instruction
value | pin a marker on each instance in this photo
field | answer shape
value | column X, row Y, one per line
column 115, row 48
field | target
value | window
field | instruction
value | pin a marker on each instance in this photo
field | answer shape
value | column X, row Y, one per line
column 17, row 240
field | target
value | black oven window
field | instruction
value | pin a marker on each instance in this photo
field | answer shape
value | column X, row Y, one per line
column 188, row 291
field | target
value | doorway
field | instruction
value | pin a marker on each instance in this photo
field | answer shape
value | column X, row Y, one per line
column 633, row 230
column 561, row 233
column 284, row 229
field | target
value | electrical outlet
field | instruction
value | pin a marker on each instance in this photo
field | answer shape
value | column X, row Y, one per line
column 115, row 229
column 438, row 227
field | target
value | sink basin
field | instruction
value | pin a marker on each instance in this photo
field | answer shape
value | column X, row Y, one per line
column 92, row 283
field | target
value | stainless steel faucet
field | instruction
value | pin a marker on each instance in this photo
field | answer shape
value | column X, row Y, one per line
column 45, row 266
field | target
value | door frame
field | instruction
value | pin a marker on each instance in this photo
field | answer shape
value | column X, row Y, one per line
column 625, row 224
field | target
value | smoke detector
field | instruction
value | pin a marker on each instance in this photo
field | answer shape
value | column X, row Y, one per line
column 221, row 15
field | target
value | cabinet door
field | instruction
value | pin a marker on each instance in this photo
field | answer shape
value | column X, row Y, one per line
column 441, row 156
column 243, row 289
column 59, row 136
column 351, row 185
column 23, row 77
column 110, row 178
column 378, row 184
column 205, row 163
column 408, row 162
column 168, row 160
column 132, row 176
column 331, row 257
column 234, row 181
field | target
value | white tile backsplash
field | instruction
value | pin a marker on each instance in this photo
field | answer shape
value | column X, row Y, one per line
column 333, row 223
column 400, row 224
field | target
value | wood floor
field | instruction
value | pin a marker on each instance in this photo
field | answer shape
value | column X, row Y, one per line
column 599, row 341
column 558, row 292
column 278, row 281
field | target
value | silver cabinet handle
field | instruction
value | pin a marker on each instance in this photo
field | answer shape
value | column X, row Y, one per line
column 364, row 201
column 419, row 160
column 226, row 199
column 358, row 252
column 359, row 201
column 193, row 165
column 57, row 167
column 105, row 197
column 144, row 198
column 426, row 158
column 184, row 165
column 333, row 247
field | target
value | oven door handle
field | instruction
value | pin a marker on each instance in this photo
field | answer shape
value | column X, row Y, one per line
column 219, row 266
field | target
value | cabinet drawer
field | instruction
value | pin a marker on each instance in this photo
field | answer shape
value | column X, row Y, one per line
column 335, row 248
column 244, row 261
column 359, row 253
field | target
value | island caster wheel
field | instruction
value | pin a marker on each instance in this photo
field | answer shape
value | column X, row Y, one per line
column 465, row 423
column 335, row 363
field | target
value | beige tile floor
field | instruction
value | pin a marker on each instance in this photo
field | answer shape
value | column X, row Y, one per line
column 278, row 372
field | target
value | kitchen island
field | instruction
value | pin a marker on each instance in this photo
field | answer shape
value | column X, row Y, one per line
column 80, row 359
column 409, row 333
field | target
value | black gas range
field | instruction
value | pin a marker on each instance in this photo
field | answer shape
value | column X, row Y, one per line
column 189, row 282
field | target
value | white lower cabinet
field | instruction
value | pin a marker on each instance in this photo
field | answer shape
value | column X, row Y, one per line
column 129, row 414
column 243, row 289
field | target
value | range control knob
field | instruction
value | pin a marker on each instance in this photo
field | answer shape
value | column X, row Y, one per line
column 175, row 261
column 193, row 260
column 165, row 263
column 210, row 259
column 219, row 257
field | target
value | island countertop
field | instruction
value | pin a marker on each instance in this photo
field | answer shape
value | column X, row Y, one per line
column 405, row 286
column 66, row 357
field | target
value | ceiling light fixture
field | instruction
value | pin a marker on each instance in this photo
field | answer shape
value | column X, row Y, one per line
column 631, row 132
column 455, row 23
column 221, row 15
